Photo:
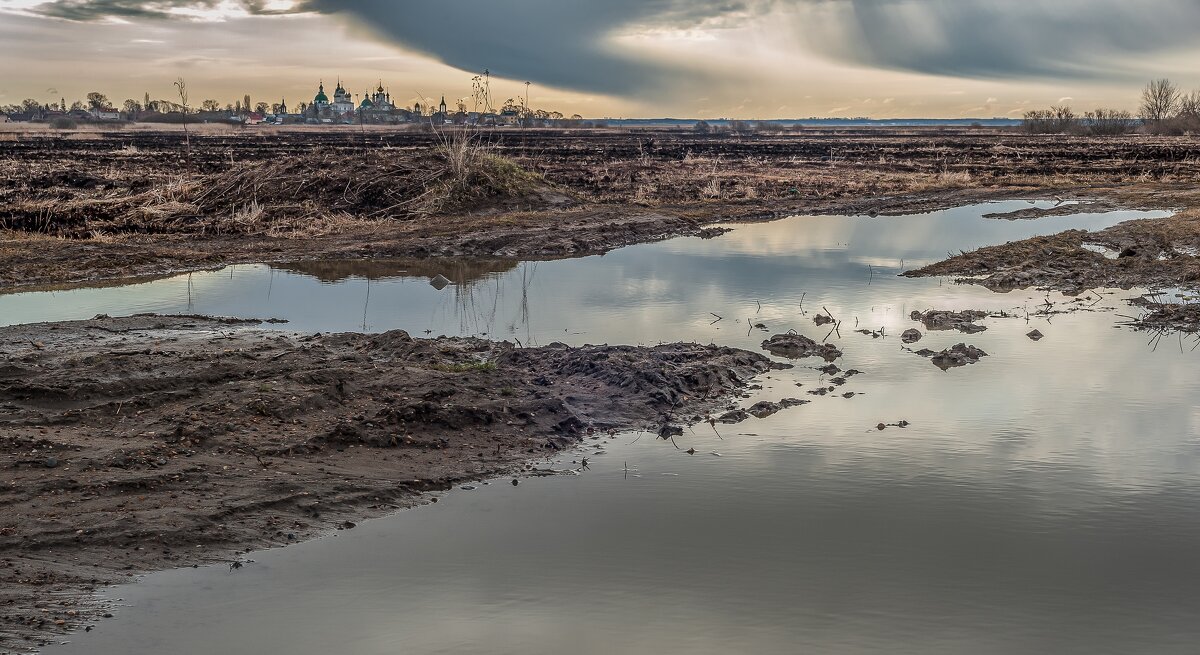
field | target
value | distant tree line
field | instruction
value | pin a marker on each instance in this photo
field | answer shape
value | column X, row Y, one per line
column 1165, row 109
column 132, row 109
column 738, row 127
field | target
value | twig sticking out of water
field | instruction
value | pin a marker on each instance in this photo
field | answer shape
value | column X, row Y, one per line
column 712, row 422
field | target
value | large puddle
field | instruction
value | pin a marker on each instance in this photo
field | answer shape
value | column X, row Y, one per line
column 1043, row 500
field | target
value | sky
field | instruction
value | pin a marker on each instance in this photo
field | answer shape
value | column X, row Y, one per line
column 750, row 59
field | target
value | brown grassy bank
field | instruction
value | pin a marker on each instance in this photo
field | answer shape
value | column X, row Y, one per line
column 100, row 205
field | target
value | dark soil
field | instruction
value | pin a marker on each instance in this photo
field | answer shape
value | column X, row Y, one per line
column 963, row 321
column 1167, row 317
column 150, row 442
column 1148, row 253
column 797, row 346
column 953, row 357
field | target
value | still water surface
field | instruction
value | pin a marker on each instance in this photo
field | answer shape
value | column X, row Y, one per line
column 1045, row 500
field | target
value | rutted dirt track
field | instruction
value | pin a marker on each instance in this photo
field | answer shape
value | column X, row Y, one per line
column 134, row 444
column 130, row 206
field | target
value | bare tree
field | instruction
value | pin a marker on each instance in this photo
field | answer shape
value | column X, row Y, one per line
column 210, row 105
column 1189, row 105
column 1039, row 121
column 1065, row 121
column 1160, row 99
column 1108, row 122
column 181, row 87
column 481, row 91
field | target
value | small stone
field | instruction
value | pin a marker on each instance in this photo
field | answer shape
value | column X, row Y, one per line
column 51, row 462
column 1036, row 335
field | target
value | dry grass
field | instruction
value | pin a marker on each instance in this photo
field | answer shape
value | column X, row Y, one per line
column 303, row 194
column 711, row 190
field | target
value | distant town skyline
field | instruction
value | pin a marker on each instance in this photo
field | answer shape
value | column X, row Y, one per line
column 742, row 59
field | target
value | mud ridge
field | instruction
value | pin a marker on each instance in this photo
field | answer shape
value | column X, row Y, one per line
column 141, row 443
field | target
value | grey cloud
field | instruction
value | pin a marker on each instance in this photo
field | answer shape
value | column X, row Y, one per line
column 990, row 39
column 567, row 43
column 91, row 10
column 87, row 10
column 558, row 42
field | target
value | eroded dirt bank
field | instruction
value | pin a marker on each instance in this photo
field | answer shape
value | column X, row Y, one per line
column 141, row 443
column 1144, row 253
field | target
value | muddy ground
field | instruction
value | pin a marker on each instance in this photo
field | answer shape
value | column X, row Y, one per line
column 91, row 206
column 141, row 443
column 1143, row 253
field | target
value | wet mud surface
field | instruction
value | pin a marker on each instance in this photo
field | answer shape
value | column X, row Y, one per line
column 954, row 356
column 1143, row 253
column 150, row 442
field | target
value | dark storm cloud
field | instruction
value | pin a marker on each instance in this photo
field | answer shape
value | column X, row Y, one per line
column 568, row 43
column 990, row 38
column 558, row 42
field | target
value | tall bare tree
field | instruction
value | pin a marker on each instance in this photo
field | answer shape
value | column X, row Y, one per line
column 1160, row 99
column 181, row 87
